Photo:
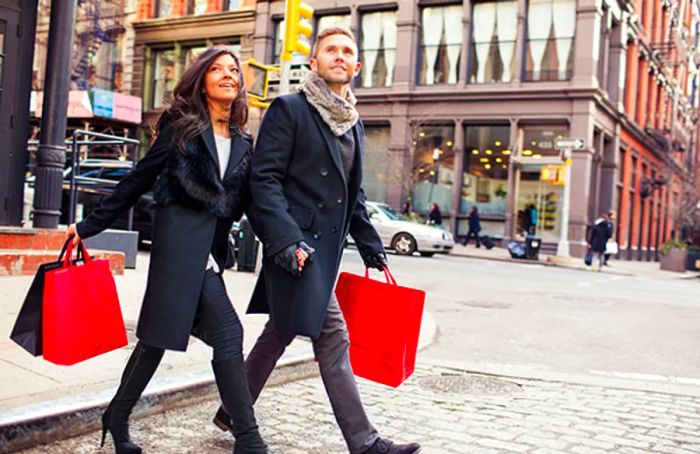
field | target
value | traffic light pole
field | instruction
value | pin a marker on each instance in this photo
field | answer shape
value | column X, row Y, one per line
column 563, row 245
column 285, row 69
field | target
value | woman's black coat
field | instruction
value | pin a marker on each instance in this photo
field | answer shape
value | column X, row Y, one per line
column 599, row 236
column 194, row 213
column 300, row 192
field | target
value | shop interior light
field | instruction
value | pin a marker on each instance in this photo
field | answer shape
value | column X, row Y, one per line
column 533, row 143
column 489, row 151
column 497, row 143
column 484, row 160
column 527, row 152
column 432, row 173
column 506, row 152
column 487, row 166
column 449, row 143
column 421, row 170
column 504, row 166
column 499, row 159
column 475, row 151
column 421, row 134
column 537, row 156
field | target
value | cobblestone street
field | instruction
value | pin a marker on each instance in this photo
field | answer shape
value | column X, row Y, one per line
column 449, row 412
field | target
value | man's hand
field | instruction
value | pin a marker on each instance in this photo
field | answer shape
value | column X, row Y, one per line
column 293, row 257
column 376, row 261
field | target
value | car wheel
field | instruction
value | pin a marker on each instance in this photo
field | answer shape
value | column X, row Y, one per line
column 403, row 244
column 427, row 254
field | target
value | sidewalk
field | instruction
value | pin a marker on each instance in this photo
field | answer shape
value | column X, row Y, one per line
column 37, row 392
column 620, row 267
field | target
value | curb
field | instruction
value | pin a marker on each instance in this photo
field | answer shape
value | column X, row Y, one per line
column 78, row 415
column 170, row 393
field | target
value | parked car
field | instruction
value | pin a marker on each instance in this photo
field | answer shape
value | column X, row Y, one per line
column 406, row 237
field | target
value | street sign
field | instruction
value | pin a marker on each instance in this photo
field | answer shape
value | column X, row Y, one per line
column 568, row 144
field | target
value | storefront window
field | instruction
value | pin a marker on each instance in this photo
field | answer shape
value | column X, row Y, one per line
column 551, row 26
column 441, row 44
column 433, row 167
column 233, row 5
column 539, row 202
column 164, row 77
column 198, row 7
column 375, row 161
column 538, row 141
column 378, row 48
column 493, row 41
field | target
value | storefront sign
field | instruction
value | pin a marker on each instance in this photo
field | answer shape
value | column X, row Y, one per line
column 96, row 103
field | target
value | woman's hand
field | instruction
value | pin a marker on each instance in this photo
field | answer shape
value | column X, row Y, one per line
column 72, row 231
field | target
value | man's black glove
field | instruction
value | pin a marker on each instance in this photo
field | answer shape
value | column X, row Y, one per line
column 377, row 261
column 287, row 258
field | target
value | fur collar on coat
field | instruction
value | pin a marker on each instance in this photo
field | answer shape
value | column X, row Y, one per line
column 339, row 114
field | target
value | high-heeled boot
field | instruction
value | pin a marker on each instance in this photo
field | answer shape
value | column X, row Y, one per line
column 139, row 369
column 233, row 389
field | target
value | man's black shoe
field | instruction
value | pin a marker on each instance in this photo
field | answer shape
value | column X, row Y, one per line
column 386, row 446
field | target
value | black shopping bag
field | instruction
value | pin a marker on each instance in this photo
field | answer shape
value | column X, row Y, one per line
column 588, row 260
column 27, row 330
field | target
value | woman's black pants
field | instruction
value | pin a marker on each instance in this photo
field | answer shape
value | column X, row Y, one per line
column 224, row 333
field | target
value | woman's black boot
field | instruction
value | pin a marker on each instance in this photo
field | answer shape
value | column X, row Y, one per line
column 233, row 388
column 139, row 369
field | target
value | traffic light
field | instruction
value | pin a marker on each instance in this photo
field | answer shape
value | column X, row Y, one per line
column 297, row 25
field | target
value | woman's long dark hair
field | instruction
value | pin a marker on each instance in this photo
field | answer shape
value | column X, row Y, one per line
column 188, row 111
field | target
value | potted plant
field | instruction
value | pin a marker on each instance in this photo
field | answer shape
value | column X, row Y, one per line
column 674, row 255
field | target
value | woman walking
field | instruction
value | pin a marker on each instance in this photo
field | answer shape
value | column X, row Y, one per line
column 200, row 165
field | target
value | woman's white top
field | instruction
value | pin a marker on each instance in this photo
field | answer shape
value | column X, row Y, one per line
column 223, row 150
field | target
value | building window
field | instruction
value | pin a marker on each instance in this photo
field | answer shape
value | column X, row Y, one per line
column 433, row 167
column 376, row 171
column 164, row 8
column 339, row 20
column 163, row 77
column 378, row 49
column 233, row 5
column 493, row 41
column 551, row 26
column 197, row 7
column 107, row 67
column 193, row 53
column 485, row 173
column 441, row 44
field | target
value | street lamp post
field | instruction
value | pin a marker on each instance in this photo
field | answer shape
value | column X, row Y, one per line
column 566, row 146
column 434, row 176
column 51, row 156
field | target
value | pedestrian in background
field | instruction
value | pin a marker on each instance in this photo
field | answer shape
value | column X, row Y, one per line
column 435, row 216
column 474, row 227
column 307, row 196
column 200, row 165
column 532, row 216
column 598, row 239
column 611, row 245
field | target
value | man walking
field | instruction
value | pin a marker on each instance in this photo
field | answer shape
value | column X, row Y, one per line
column 306, row 190
column 474, row 227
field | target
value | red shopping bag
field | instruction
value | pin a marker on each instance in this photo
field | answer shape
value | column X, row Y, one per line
column 384, row 323
column 81, row 317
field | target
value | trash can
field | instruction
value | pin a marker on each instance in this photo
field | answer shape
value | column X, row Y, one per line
column 532, row 248
column 248, row 247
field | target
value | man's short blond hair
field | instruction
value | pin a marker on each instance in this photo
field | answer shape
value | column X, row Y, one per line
column 329, row 31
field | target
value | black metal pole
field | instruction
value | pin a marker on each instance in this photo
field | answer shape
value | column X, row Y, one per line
column 51, row 155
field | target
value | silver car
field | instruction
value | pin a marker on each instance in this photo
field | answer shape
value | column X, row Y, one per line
column 406, row 237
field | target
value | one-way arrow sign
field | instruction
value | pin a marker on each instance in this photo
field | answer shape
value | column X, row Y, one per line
column 569, row 144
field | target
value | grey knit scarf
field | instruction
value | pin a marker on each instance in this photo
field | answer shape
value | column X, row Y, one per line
column 339, row 114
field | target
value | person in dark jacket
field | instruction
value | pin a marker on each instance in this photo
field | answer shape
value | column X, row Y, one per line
column 598, row 239
column 306, row 184
column 474, row 227
column 610, row 219
column 200, row 165
column 435, row 216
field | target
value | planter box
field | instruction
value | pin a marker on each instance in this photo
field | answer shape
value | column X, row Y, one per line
column 674, row 260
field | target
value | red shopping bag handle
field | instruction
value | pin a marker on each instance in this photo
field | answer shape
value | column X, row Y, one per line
column 387, row 274
column 82, row 253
